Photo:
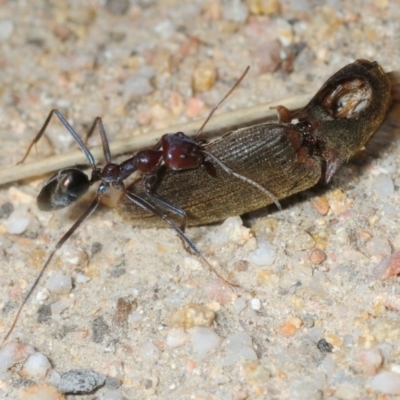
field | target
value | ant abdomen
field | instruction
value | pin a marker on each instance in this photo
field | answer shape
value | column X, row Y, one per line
column 62, row 189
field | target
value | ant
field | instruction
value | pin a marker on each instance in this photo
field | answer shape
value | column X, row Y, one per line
column 176, row 151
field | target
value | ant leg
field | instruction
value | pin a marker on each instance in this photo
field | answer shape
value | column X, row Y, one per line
column 244, row 178
column 102, row 189
column 70, row 129
column 106, row 147
column 149, row 182
column 149, row 207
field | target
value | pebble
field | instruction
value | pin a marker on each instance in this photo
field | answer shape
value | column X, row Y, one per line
column 18, row 221
column 235, row 11
column 41, row 392
column 176, row 337
column 321, row 205
column 6, row 29
column 59, row 283
column 13, row 353
column 239, row 304
column 60, row 306
column 137, row 85
column 264, row 7
column 384, row 186
column 36, row 366
column 80, row 381
column 232, row 231
column 388, row 267
column 192, row 315
column 386, row 382
column 239, row 346
column 264, row 254
column 205, row 340
column 378, row 246
column 204, row 76
column 371, row 361
column 255, row 304
column 218, row 290
column 317, row 256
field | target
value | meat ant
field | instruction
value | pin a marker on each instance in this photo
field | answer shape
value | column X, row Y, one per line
column 176, row 151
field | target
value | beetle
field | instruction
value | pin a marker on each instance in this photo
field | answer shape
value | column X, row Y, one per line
column 305, row 146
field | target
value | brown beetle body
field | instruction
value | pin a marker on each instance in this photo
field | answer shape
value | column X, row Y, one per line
column 285, row 158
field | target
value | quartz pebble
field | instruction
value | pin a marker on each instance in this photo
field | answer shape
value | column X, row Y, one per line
column 6, row 29
column 18, row 221
column 204, row 76
column 59, row 283
column 371, row 360
column 13, row 353
column 264, row 254
column 36, row 366
column 176, row 337
column 235, row 11
column 205, row 340
column 238, row 347
column 384, row 186
column 218, row 290
column 386, row 382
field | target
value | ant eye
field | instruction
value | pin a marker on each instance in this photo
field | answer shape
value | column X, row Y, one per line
column 183, row 156
column 62, row 189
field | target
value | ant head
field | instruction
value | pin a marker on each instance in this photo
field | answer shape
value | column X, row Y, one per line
column 62, row 189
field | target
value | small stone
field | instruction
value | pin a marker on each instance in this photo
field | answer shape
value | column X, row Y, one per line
column 6, row 29
column 321, row 205
column 6, row 209
column 386, row 382
column 13, row 353
column 264, row 7
column 268, row 277
column 317, row 257
column 235, row 11
column 324, row 346
column 204, row 76
column 60, row 306
column 218, row 290
column 192, row 315
column 287, row 329
column 124, row 307
column 176, row 337
column 41, row 392
column 338, row 201
column 378, row 247
column 99, row 329
column 239, row 304
column 388, row 267
column 238, row 346
column 371, row 360
column 255, row 304
column 118, row 7
column 80, row 381
column 384, row 186
column 18, row 221
column 59, row 283
column 264, row 254
column 205, row 340
column 255, row 372
column 36, row 366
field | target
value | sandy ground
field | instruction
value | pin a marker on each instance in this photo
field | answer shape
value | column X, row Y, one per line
column 133, row 63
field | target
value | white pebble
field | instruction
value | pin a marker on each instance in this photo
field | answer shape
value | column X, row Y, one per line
column 13, row 353
column 176, row 337
column 238, row 346
column 235, row 11
column 255, row 304
column 165, row 29
column 60, row 306
column 205, row 340
column 386, row 382
column 135, row 317
column 18, row 221
column 36, row 366
column 137, row 85
column 239, row 304
column 59, row 283
column 42, row 295
column 6, row 29
column 384, row 186
column 81, row 278
column 264, row 254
